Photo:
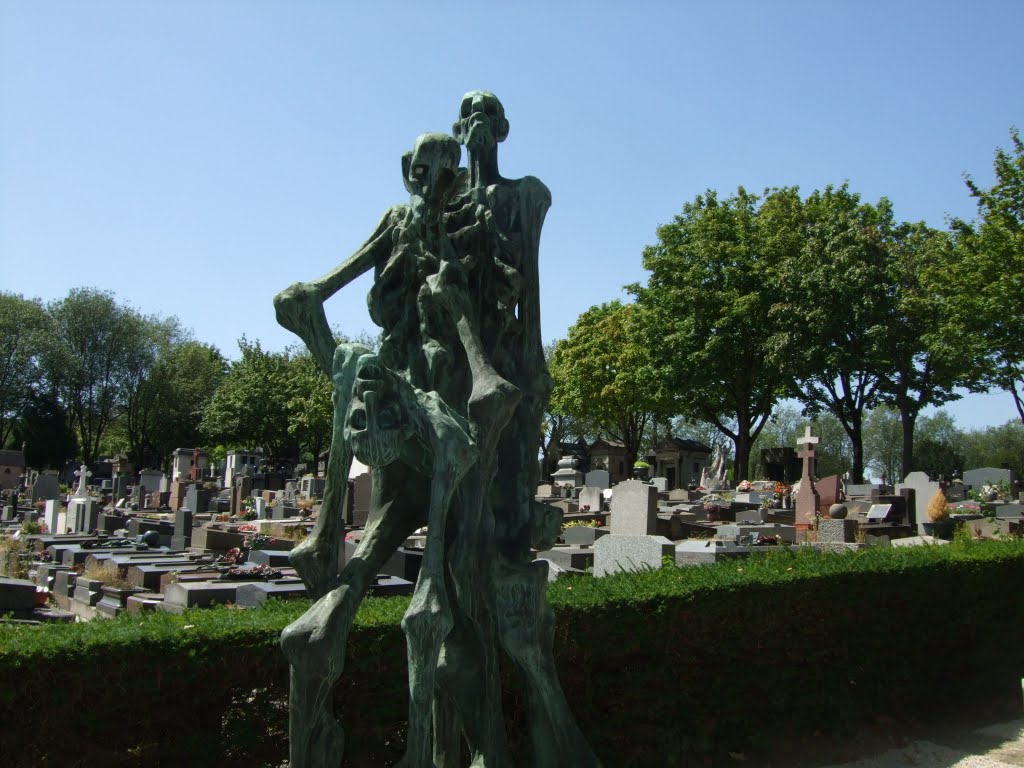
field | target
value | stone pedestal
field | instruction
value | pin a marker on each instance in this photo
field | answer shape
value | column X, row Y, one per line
column 837, row 531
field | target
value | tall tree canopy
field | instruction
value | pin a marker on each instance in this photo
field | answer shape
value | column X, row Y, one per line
column 988, row 281
column 713, row 313
column 250, row 408
column 924, row 365
column 22, row 335
column 836, row 298
column 90, row 361
column 604, row 375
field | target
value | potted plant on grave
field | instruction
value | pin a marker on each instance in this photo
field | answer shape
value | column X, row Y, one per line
column 641, row 469
column 939, row 525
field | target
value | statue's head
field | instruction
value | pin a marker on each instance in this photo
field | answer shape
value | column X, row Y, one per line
column 429, row 170
column 481, row 124
column 377, row 425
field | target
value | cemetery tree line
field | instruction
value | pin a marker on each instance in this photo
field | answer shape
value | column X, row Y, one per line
column 86, row 376
column 828, row 300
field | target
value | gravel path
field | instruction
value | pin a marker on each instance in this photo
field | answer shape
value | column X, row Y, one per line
column 992, row 746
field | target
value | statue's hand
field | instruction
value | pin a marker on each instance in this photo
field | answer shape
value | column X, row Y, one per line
column 297, row 306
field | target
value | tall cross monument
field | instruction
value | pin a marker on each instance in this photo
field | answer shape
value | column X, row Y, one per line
column 807, row 499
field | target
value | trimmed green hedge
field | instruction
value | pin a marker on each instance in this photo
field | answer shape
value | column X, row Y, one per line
column 661, row 668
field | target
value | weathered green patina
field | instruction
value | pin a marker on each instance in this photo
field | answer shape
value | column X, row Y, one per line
column 446, row 414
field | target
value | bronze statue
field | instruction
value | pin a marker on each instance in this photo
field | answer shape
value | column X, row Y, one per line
column 446, row 415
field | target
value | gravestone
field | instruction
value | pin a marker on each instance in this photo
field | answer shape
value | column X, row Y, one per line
column 197, row 499
column 150, row 479
column 138, row 497
column 45, row 487
column 634, row 509
column 861, row 490
column 177, row 492
column 975, row 478
column 830, row 491
column 807, row 500
column 362, row 489
column 590, row 498
column 598, row 478
column 243, row 490
column 87, row 515
column 616, row 553
column 923, row 489
column 182, row 538
column 660, row 484
column 545, row 491
column 119, row 487
column 260, row 508
column 7, row 514
column 51, row 517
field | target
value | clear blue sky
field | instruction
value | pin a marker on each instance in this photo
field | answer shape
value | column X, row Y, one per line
column 197, row 157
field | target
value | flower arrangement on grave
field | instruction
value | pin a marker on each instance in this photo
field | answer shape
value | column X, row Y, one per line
column 232, row 557
column 744, row 485
column 248, row 528
column 256, row 572
column 768, row 540
column 964, row 508
column 249, row 508
column 259, row 541
column 938, row 509
column 641, row 464
column 581, row 524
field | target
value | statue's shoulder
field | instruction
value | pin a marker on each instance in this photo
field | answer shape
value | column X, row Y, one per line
column 533, row 190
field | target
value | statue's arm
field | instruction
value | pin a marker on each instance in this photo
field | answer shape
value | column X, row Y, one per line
column 300, row 306
column 360, row 262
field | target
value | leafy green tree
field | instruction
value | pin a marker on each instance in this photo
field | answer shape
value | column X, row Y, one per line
column 140, row 413
column 1001, row 446
column 310, row 406
column 88, row 361
column 835, row 288
column 925, row 364
column 715, row 322
column 833, row 453
column 44, row 429
column 988, row 282
column 604, row 377
column 883, row 443
column 938, row 446
column 250, row 408
column 557, row 427
column 22, row 334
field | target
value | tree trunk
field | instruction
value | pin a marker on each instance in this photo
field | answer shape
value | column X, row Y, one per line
column 741, row 467
column 908, row 418
column 856, row 435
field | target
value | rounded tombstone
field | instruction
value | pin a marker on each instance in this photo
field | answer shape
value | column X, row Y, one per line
column 837, row 511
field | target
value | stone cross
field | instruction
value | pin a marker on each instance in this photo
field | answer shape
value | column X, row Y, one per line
column 83, row 474
column 807, row 499
column 807, row 442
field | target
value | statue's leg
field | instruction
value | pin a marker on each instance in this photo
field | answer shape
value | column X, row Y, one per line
column 319, row 558
column 470, row 691
column 314, row 644
column 426, row 624
column 526, row 626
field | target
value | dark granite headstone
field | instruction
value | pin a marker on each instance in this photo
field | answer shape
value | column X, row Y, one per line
column 362, row 487
column 405, row 564
column 182, row 537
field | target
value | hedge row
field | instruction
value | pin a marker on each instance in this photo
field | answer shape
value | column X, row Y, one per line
column 661, row 668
